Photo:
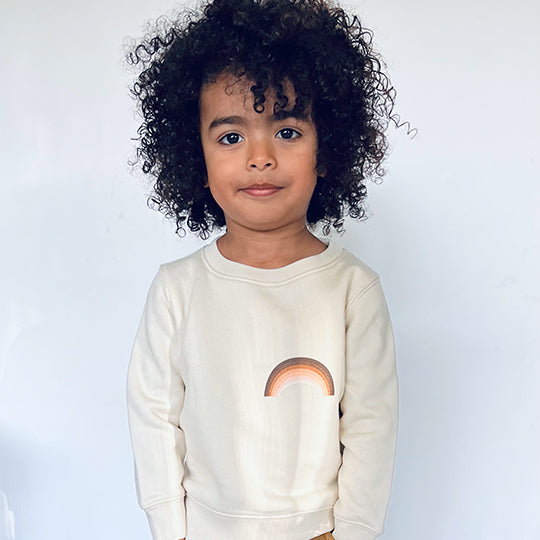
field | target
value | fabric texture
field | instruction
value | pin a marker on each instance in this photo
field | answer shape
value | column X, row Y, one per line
column 263, row 402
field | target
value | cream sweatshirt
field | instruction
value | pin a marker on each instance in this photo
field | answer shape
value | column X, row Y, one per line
column 263, row 402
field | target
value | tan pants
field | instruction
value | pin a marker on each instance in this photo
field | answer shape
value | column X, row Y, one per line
column 325, row 536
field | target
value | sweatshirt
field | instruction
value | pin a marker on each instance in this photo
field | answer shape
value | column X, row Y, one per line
column 263, row 402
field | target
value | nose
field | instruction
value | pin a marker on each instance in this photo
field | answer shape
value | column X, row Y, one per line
column 261, row 156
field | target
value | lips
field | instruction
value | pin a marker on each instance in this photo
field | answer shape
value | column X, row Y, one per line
column 261, row 190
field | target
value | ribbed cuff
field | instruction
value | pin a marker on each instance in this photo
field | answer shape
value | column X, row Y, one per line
column 167, row 520
column 344, row 530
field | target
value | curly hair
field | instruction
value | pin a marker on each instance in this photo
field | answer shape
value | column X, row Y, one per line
column 326, row 55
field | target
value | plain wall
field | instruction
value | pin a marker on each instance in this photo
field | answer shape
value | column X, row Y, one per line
column 454, row 232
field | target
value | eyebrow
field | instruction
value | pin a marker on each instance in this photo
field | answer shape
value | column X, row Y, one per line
column 239, row 120
column 223, row 120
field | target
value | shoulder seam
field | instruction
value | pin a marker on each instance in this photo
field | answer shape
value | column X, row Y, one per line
column 361, row 293
column 166, row 293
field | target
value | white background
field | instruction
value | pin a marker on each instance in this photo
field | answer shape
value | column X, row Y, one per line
column 454, row 234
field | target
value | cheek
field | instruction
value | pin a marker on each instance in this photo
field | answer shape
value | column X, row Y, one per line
column 306, row 167
column 221, row 177
column 220, row 163
column 219, row 195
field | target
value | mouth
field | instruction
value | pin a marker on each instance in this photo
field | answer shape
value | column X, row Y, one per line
column 261, row 190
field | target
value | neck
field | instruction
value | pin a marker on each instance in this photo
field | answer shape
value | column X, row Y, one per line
column 269, row 249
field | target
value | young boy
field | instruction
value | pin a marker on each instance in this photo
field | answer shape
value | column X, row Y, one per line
column 262, row 387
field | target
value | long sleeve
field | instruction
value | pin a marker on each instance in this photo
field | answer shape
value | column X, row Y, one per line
column 369, row 418
column 155, row 400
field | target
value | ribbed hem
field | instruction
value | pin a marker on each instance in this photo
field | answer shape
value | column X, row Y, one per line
column 351, row 531
column 204, row 523
column 167, row 520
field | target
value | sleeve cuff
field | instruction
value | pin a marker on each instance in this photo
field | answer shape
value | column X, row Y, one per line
column 344, row 530
column 167, row 520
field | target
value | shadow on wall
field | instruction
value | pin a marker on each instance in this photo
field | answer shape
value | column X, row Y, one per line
column 7, row 519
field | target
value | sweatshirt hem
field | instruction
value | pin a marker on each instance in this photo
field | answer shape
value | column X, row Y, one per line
column 205, row 522
column 257, row 516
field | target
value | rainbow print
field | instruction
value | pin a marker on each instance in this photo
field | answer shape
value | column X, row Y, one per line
column 299, row 370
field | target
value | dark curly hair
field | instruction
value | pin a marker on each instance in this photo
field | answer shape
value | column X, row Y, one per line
column 326, row 55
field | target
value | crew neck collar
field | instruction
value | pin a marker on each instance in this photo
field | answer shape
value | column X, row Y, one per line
column 220, row 265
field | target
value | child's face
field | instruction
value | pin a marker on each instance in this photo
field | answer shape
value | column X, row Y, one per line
column 260, row 168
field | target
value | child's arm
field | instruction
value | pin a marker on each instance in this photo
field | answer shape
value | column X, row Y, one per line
column 369, row 422
column 155, row 400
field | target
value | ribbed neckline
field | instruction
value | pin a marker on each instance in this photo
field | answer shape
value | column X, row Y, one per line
column 220, row 265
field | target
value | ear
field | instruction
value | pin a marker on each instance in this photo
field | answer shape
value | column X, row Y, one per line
column 321, row 170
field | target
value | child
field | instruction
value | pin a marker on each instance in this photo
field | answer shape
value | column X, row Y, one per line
column 262, row 386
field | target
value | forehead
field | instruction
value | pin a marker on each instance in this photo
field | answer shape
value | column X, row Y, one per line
column 230, row 92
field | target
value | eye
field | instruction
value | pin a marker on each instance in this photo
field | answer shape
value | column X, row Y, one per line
column 288, row 134
column 231, row 138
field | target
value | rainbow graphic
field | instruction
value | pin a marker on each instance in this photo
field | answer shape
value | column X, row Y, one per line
column 299, row 370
